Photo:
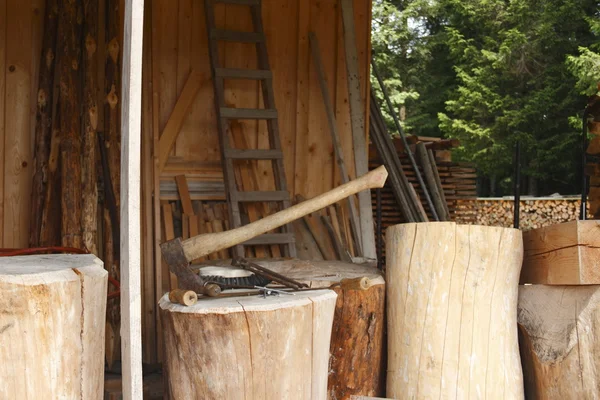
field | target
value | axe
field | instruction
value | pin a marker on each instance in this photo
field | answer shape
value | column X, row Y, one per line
column 179, row 253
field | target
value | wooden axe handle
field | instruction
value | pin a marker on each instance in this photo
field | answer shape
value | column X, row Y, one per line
column 204, row 244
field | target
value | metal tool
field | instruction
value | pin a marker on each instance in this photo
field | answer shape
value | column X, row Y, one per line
column 267, row 273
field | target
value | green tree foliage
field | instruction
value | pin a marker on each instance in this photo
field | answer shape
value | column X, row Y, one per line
column 493, row 72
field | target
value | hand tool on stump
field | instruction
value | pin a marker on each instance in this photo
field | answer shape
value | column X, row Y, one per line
column 179, row 253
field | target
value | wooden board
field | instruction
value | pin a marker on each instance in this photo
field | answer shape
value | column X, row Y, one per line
column 562, row 254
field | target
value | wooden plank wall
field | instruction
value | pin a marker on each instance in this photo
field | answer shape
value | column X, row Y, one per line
column 182, row 47
column 21, row 28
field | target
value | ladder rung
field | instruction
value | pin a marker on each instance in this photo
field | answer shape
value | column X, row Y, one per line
column 248, row 113
column 237, row 36
column 278, row 195
column 242, row 2
column 236, row 73
column 271, row 238
column 253, row 154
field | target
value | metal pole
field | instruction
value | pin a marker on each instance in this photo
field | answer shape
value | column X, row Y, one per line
column 584, row 180
column 379, row 237
column 517, row 186
column 404, row 142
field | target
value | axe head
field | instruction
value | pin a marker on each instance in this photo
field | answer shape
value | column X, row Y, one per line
column 178, row 263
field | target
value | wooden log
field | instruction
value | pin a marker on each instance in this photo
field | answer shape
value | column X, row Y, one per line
column 250, row 347
column 69, row 56
column 113, row 151
column 52, row 320
column 452, row 301
column 558, row 328
column 43, row 125
column 562, row 254
column 89, row 223
column 357, row 350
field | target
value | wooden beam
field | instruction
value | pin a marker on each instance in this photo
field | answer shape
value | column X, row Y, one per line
column 131, row 335
column 177, row 117
column 184, row 195
column 562, row 254
column 357, row 119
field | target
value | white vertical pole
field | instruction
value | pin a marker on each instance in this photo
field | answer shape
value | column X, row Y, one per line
column 131, row 108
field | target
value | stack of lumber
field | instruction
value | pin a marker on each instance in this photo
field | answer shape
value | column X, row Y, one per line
column 534, row 213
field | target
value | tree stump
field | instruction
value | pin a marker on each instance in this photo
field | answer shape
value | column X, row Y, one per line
column 452, row 311
column 357, row 362
column 52, row 312
column 248, row 347
column 559, row 330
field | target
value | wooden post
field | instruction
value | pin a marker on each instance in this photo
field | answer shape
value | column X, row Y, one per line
column 52, row 326
column 131, row 119
column 69, row 35
column 560, row 348
column 452, row 311
column 89, row 222
column 250, row 347
column 358, row 128
column 43, row 126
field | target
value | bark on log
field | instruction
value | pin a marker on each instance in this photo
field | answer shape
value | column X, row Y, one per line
column 51, row 323
column 559, row 331
column 452, row 302
column 89, row 223
column 69, row 55
column 357, row 362
column 113, row 151
column 43, row 123
column 248, row 347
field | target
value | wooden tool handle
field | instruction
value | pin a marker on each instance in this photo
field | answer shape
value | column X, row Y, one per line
column 355, row 283
column 202, row 245
column 183, row 297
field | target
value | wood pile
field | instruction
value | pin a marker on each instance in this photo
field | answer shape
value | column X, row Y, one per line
column 534, row 213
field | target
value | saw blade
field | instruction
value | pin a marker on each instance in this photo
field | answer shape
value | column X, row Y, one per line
column 231, row 276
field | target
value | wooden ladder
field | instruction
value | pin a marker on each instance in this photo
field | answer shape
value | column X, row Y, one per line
column 269, row 113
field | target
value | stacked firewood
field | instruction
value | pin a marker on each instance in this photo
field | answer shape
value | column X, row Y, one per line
column 533, row 213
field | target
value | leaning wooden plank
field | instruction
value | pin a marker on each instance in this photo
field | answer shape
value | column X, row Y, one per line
column 562, row 254
column 357, row 119
column 432, row 186
column 176, row 119
column 337, row 243
column 335, row 137
column 131, row 349
column 184, row 195
column 438, row 180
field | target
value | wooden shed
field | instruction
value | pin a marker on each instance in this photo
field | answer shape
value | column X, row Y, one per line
column 178, row 126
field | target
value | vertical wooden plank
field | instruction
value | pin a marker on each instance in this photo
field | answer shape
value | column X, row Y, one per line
column 281, row 24
column 320, row 151
column 166, row 56
column 3, row 72
column 130, row 200
column 184, row 43
column 38, row 8
column 17, row 149
column 169, row 235
column 149, row 293
column 357, row 119
column 301, row 132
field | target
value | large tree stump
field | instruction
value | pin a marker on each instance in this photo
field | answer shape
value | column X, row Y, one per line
column 248, row 347
column 357, row 362
column 560, row 346
column 452, row 311
column 52, row 311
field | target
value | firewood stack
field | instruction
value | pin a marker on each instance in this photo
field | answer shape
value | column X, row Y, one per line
column 534, row 213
